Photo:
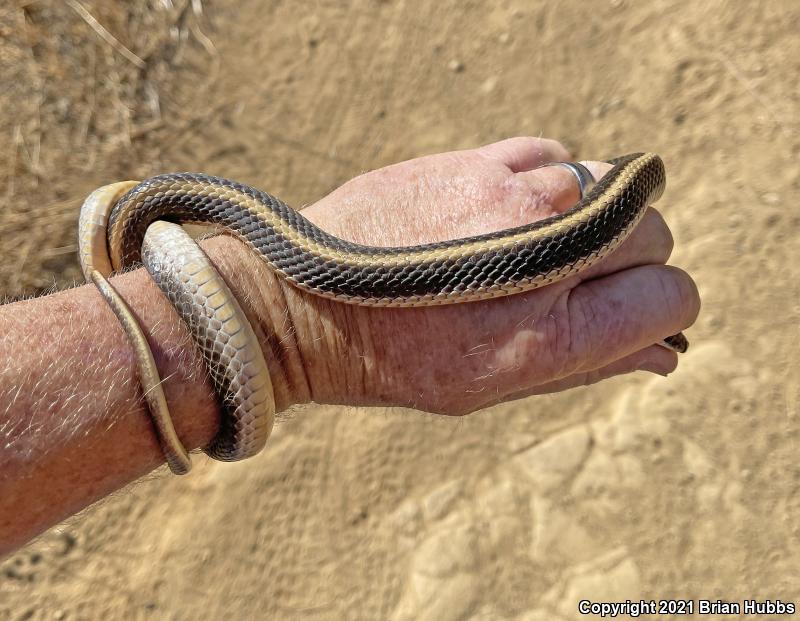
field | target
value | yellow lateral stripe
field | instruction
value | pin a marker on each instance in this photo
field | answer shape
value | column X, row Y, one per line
column 448, row 252
column 451, row 252
column 456, row 250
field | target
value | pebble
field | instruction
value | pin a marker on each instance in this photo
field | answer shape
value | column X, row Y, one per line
column 456, row 66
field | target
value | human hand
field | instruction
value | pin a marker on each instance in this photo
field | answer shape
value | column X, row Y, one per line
column 72, row 438
column 459, row 358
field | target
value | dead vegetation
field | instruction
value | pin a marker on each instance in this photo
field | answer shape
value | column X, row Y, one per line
column 85, row 92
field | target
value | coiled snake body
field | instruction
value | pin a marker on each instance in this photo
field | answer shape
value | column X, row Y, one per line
column 464, row 270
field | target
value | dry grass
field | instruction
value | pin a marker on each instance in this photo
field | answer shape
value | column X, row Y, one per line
column 86, row 92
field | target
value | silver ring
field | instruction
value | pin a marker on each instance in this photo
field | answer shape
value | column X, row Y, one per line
column 584, row 176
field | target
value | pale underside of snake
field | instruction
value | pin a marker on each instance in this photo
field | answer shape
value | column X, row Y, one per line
column 123, row 224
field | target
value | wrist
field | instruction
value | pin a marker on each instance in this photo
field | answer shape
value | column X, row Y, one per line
column 316, row 349
column 262, row 295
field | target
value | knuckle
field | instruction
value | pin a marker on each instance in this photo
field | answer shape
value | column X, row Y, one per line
column 684, row 290
column 662, row 233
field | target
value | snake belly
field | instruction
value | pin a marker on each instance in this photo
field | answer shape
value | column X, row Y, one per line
column 463, row 270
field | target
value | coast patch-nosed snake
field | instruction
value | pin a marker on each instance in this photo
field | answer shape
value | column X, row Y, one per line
column 129, row 222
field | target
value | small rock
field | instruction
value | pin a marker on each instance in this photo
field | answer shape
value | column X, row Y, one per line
column 714, row 321
column 456, row 66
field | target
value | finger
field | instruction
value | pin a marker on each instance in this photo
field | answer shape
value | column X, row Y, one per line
column 598, row 169
column 614, row 316
column 653, row 359
column 554, row 188
column 650, row 243
column 525, row 153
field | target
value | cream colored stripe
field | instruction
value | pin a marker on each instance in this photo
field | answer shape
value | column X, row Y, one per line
column 450, row 252
column 482, row 293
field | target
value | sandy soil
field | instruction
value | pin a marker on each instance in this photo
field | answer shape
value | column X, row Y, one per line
column 685, row 487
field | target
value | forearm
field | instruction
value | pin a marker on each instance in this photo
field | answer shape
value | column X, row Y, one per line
column 73, row 424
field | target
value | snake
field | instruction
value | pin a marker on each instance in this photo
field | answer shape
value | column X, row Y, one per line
column 138, row 222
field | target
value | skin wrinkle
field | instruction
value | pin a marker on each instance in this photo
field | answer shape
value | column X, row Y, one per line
column 265, row 298
column 286, row 345
column 535, row 199
column 583, row 312
column 357, row 347
column 675, row 298
column 299, row 385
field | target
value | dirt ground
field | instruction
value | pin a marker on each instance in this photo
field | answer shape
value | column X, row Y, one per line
column 685, row 487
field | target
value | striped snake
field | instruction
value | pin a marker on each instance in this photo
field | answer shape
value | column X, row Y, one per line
column 131, row 222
